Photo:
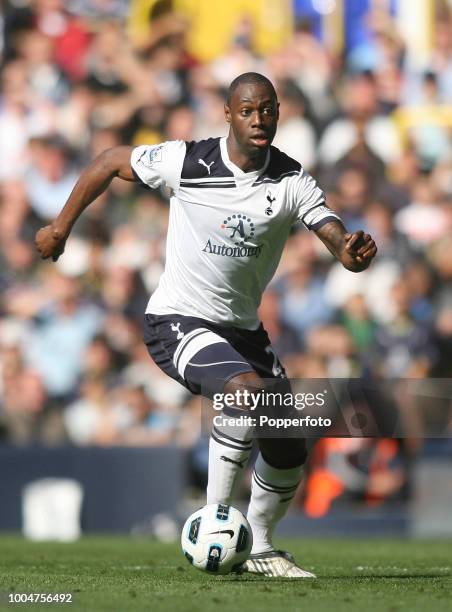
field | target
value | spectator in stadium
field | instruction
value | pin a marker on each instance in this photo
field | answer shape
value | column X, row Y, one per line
column 303, row 303
column 362, row 114
column 404, row 347
column 379, row 218
column 284, row 338
column 95, row 418
column 64, row 326
column 296, row 135
column 46, row 80
column 24, row 402
column 50, row 177
column 16, row 257
column 15, row 110
column 425, row 219
column 353, row 193
column 150, row 424
column 357, row 320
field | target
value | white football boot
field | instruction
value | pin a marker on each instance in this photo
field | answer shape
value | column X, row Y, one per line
column 275, row 564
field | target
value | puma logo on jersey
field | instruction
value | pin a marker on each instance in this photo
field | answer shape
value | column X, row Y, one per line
column 203, row 163
column 269, row 210
column 176, row 328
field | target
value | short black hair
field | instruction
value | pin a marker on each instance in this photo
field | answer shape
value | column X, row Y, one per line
column 249, row 78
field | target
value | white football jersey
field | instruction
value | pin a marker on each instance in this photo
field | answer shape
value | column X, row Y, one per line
column 227, row 228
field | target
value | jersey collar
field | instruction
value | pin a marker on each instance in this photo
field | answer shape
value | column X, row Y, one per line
column 238, row 172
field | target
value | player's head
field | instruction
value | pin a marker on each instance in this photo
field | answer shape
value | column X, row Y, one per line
column 252, row 110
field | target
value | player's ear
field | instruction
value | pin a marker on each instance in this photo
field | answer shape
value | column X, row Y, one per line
column 277, row 111
column 227, row 113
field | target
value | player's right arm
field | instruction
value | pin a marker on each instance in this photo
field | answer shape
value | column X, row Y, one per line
column 151, row 165
column 93, row 181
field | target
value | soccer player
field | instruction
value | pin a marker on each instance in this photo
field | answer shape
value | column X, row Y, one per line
column 233, row 203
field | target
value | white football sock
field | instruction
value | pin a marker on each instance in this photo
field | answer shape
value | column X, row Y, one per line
column 229, row 450
column 272, row 491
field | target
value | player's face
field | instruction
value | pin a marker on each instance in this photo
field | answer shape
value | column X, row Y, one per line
column 253, row 114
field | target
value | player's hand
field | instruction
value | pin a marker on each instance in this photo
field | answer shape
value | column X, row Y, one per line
column 50, row 242
column 360, row 247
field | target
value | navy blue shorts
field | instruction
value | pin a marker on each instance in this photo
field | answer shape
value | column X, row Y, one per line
column 203, row 356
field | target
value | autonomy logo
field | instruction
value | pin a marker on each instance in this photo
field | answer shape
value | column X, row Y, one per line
column 241, row 226
column 240, row 229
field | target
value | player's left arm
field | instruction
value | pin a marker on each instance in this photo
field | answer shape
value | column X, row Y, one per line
column 354, row 250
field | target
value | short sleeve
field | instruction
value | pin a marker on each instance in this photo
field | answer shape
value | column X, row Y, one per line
column 312, row 209
column 159, row 164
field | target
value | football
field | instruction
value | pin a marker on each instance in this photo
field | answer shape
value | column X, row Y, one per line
column 216, row 539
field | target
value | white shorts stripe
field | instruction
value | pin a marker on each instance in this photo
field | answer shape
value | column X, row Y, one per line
column 185, row 339
column 195, row 343
column 206, row 365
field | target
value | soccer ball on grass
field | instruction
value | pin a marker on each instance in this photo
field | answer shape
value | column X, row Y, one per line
column 217, row 539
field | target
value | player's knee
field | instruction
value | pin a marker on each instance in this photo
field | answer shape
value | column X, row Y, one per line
column 283, row 453
column 245, row 387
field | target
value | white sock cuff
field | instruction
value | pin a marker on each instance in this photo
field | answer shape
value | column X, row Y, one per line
column 276, row 476
column 232, row 428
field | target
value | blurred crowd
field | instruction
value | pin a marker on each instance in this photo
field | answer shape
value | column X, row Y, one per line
column 373, row 125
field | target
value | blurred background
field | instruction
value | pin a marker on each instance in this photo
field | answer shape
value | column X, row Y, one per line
column 365, row 88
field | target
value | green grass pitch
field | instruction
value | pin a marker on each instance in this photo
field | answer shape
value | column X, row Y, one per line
column 120, row 574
